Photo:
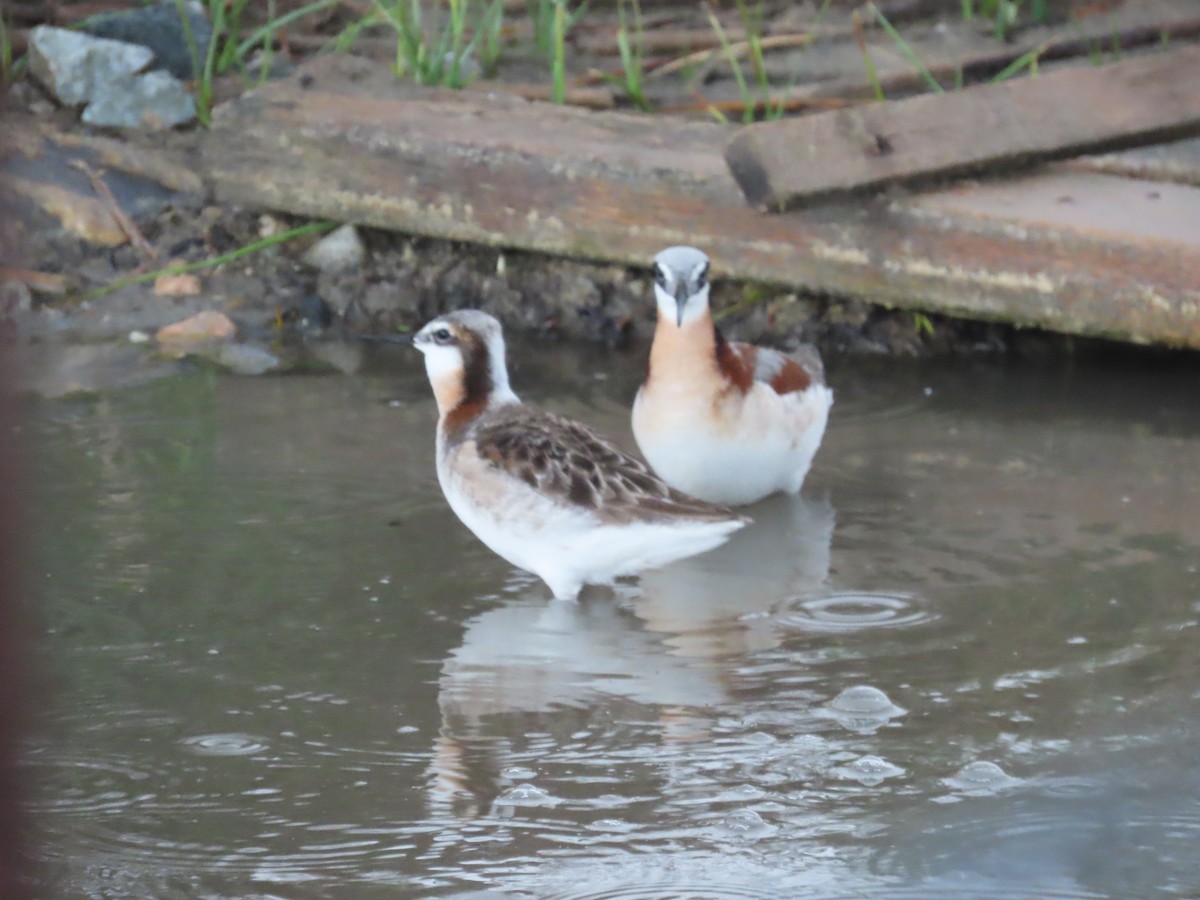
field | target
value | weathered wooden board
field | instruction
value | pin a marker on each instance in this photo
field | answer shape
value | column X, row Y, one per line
column 342, row 140
column 1119, row 30
column 1174, row 161
column 1137, row 101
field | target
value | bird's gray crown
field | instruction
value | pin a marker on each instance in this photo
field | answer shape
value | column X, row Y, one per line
column 684, row 263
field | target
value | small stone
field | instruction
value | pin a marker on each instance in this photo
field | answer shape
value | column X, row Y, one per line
column 155, row 100
column 159, row 27
column 245, row 359
column 182, row 285
column 138, row 337
column 268, row 226
column 84, row 217
column 207, row 326
column 15, row 297
column 468, row 67
column 72, row 65
column 342, row 356
column 61, row 368
column 339, row 251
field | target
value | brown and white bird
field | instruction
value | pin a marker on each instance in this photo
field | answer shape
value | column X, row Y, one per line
column 544, row 492
column 726, row 422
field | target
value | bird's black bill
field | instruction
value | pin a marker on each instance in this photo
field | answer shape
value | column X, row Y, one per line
column 681, row 299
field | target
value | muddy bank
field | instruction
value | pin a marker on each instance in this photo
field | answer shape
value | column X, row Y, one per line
column 284, row 305
column 293, row 310
column 403, row 281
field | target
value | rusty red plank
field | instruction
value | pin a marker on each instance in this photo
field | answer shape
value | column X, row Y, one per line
column 1137, row 101
column 342, row 141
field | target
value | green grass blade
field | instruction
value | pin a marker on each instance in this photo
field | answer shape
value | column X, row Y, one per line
column 558, row 64
column 868, row 62
column 905, row 49
column 1024, row 61
column 267, row 32
column 727, row 51
column 237, row 253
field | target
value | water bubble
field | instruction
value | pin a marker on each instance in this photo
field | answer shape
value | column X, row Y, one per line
column 761, row 738
column 224, row 744
column 980, row 778
column 862, row 709
column 611, row 801
column 869, row 770
column 747, row 791
column 526, row 795
column 746, row 823
column 612, row 826
column 854, row 610
column 518, row 773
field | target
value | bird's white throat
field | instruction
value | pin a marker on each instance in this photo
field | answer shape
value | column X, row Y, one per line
column 695, row 306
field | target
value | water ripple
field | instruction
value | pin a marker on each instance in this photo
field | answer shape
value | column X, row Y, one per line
column 852, row 611
column 224, row 744
column 670, row 890
column 87, row 787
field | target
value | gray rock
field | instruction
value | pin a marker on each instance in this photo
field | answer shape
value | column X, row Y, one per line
column 160, row 28
column 72, row 65
column 339, row 251
column 244, row 359
column 57, row 369
column 156, row 99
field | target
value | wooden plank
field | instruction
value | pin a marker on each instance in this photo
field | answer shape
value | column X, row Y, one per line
column 1177, row 161
column 345, row 141
column 1147, row 23
column 1137, row 101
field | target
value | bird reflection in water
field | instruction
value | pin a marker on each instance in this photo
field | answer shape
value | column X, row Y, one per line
column 664, row 649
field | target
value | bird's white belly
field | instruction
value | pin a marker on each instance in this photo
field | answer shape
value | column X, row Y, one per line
column 565, row 546
column 767, row 445
column 520, row 525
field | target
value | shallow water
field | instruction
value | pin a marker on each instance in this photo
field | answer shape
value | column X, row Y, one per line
column 964, row 663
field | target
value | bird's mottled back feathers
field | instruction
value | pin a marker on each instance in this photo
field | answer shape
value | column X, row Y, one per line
column 569, row 462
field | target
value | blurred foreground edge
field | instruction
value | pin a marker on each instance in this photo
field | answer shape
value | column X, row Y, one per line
column 17, row 700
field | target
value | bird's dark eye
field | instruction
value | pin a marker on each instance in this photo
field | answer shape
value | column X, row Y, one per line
column 442, row 335
column 660, row 276
column 702, row 277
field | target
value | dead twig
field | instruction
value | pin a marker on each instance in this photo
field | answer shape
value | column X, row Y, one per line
column 663, row 41
column 585, row 96
column 42, row 282
column 740, row 48
column 735, row 108
column 119, row 215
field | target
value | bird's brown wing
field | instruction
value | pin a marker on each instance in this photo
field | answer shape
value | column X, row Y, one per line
column 571, row 463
